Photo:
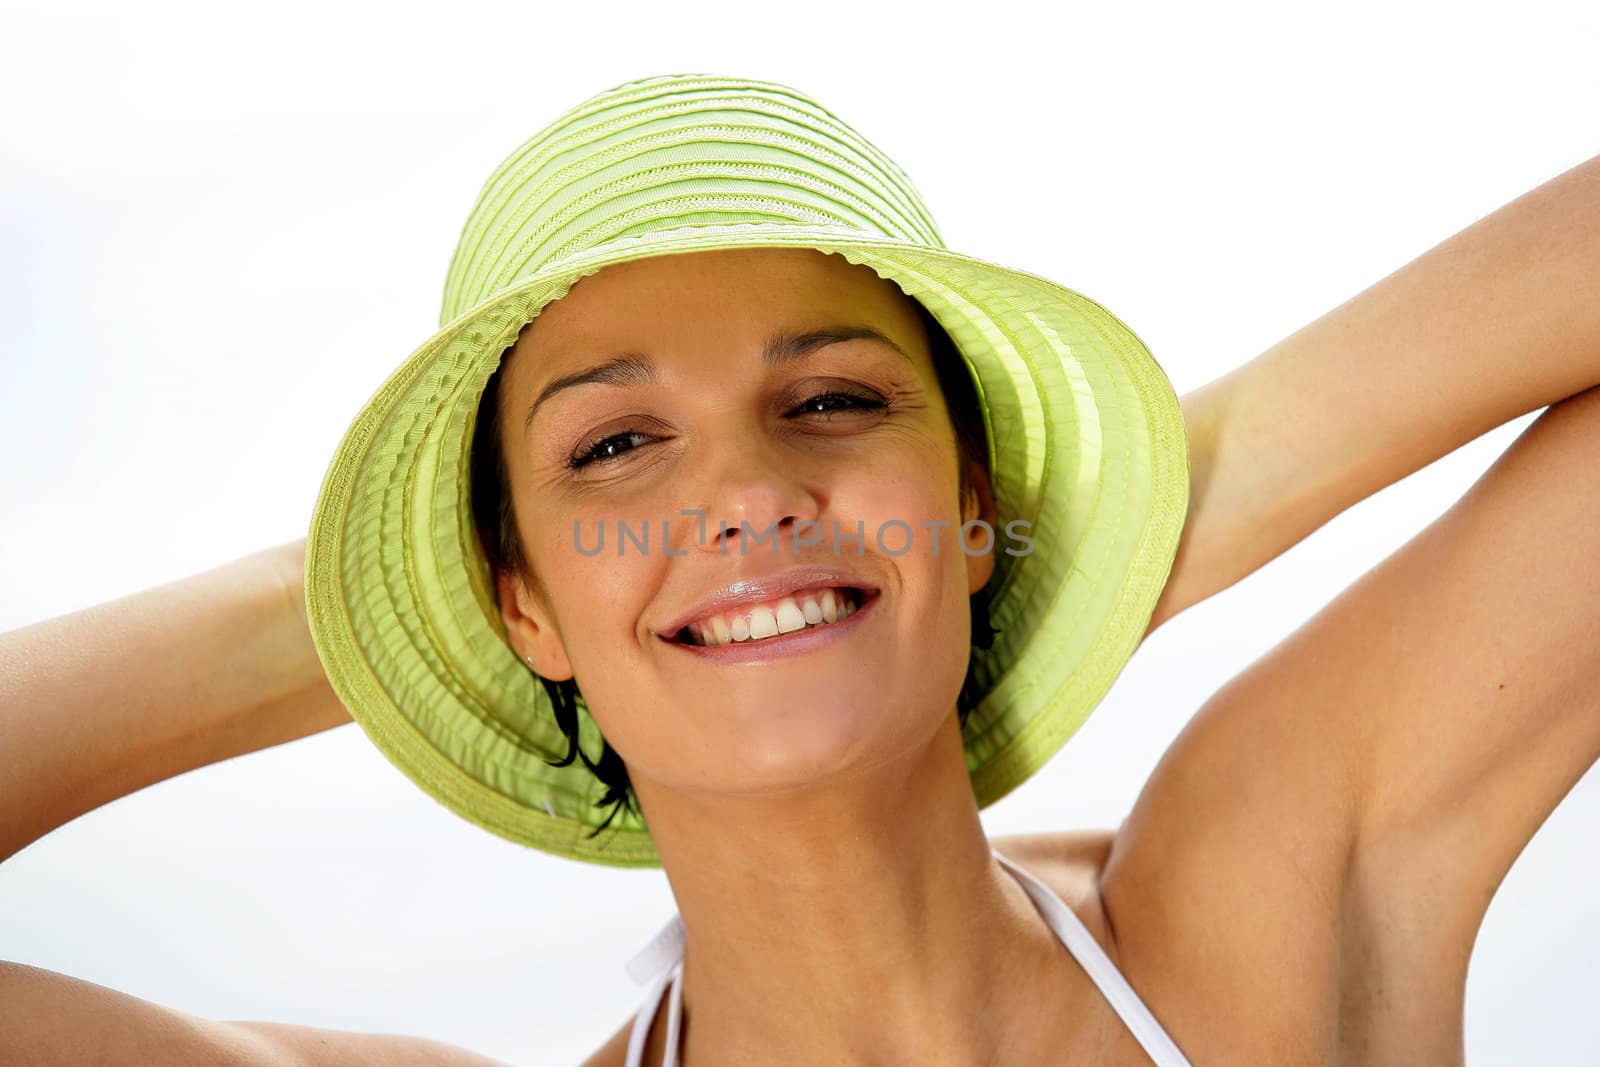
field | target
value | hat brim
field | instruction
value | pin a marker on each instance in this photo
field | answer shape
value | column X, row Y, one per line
column 1086, row 443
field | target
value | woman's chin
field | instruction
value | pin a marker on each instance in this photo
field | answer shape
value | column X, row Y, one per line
column 797, row 740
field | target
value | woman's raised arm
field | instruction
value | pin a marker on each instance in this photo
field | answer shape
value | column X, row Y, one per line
column 105, row 701
column 99, row 703
column 1386, row 763
column 1501, row 319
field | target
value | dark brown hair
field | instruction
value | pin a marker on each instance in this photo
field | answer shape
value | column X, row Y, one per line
column 502, row 544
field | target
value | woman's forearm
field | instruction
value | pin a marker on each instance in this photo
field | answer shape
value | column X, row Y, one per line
column 1499, row 320
column 107, row 700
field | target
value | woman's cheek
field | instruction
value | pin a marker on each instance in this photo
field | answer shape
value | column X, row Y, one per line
column 910, row 512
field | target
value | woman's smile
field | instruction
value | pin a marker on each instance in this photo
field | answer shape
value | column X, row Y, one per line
column 820, row 606
column 795, row 632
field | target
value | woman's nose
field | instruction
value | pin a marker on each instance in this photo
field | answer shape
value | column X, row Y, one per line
column 755, row 500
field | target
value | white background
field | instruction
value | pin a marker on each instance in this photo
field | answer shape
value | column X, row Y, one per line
column 224, row 226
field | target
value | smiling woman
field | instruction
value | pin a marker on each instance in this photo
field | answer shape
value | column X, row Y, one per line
column 840, row 410
column 705, row 307
column 731, row 311
column 731, row 438
column 705, row 317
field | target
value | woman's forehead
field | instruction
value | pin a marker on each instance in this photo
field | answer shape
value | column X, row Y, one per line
column 747, row 283
column 726, row 296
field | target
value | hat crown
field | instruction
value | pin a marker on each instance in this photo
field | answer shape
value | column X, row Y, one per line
column 673, row 151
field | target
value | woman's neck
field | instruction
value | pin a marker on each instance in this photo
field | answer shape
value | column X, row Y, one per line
column 854, row 921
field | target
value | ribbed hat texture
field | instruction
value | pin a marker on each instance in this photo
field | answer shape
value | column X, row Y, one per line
column 1085, row 436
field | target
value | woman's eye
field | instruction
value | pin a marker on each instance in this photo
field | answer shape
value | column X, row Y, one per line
column 607, row 448
column 614, row 446
column 826, row 403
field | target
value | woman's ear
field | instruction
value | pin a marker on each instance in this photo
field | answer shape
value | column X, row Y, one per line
column 531, row 627
column 978, row 541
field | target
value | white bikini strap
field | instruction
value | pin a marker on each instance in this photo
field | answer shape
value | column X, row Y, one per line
column 674, row 1018
column 1093, row 959
column 642, row 1022
column 660, row 953
column 660, row 962
column 662, row 959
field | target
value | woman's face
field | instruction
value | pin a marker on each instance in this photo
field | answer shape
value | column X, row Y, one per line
column 699, row 421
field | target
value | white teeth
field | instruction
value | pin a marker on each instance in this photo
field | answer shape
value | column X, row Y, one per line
column 762, row 623
column 769, row 620
column 790, row 617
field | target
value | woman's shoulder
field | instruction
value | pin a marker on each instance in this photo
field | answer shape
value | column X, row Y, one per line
column 1193, row 958
column 1070, row 862
column 1063, row 846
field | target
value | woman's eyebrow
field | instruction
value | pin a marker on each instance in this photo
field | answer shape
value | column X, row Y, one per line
column 630, row 368
column 636, row 368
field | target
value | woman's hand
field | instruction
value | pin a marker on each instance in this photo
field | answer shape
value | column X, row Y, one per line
column 105, row 701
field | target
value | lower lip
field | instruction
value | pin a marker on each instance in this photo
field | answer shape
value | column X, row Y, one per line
column 793, row 643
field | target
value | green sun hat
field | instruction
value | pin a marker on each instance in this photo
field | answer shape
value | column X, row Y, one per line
column 1085, row 435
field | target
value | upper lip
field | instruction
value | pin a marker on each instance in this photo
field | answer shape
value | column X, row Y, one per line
column 758, row 590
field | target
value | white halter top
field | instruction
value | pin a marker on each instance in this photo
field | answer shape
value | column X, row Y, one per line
column 662, row 959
